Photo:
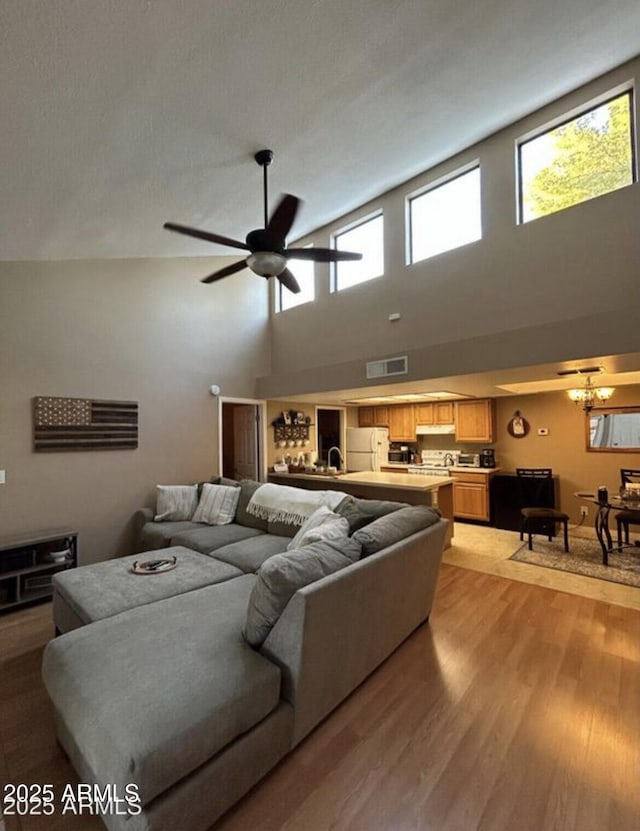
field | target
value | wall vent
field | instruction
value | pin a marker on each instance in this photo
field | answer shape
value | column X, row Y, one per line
column 390, row 366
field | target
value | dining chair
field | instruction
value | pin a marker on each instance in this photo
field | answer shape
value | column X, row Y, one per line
column 533, row 483
column 627, row 516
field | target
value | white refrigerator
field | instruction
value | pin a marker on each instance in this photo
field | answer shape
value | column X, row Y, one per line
column 367, row 448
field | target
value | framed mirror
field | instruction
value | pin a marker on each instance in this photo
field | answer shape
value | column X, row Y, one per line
column 613, row 430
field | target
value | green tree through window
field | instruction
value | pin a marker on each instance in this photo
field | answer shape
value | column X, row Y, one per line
column 586, row 157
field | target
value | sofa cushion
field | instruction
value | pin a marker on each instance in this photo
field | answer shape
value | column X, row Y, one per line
column 393, row 527
column 360, row 512
column 282, row 529
column 281, row 576
column 323, row 524
column 175, row 502
column 249, row 554
column 206, row 538
column 150, row 709
column 217, row 505
column 93, row 592
column 154, row 535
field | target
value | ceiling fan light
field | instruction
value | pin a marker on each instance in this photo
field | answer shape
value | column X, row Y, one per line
column 267, row 263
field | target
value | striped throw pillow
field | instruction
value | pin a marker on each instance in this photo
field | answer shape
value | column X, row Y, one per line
column 175, row 502
column 217, row 504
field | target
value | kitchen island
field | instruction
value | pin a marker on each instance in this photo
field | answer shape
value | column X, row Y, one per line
column 435, row 491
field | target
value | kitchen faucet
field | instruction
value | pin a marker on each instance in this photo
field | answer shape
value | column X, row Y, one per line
column 340, row 456
column 448, row 459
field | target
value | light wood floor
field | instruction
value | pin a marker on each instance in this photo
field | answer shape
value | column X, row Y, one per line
column 517, row 707
column 488, row 550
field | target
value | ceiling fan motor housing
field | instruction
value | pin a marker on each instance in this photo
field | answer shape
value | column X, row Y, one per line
column 262, row 240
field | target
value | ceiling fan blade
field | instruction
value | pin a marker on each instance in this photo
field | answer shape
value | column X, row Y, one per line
column 284, row 216
column 321, row 255
column 225, row 272
column 289, row 281
column 205, row 235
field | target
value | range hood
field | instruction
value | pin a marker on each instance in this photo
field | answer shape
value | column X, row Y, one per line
column 435, row 429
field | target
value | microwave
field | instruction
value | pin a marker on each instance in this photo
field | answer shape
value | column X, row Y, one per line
column 468, row 460
column 402, row 454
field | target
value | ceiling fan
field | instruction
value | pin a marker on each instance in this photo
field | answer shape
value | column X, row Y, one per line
column 268, row 253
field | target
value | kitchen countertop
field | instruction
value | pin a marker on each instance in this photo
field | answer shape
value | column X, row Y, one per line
column 436, row 491
column 404, row 481
column 486, row 470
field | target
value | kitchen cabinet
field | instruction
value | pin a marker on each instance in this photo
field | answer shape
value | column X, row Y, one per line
column 475, row 420
column 402, row 426
column 434, row 412
column 471, row 496
column 381, row 416
column 366, row 417
column 424, row 413
column 373, row 416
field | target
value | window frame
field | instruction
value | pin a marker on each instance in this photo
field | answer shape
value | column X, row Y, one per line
column 566, row 117
column 357, row 223
column 441, row 181
column 277, row 305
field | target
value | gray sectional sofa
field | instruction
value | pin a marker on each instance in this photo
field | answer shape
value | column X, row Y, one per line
column 161, row 682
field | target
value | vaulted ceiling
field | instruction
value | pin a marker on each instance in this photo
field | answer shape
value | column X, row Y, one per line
column 120, row 115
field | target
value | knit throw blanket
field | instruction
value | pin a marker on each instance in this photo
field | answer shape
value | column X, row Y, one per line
column 282, row 503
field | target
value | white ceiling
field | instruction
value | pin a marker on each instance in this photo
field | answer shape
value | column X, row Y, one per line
column 120, row 115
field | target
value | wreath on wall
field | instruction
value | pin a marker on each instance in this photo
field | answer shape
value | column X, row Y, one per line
column 518, row 427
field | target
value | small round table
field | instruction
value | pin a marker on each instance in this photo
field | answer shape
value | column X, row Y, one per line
column 602, row 521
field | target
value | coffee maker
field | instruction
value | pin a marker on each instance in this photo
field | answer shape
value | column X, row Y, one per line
column 487, row 457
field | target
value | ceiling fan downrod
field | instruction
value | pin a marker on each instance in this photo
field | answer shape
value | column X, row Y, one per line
column 264, row 159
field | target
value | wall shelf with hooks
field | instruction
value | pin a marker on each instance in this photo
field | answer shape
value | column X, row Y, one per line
column 290, row 432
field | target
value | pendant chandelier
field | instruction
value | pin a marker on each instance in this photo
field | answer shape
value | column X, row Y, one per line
column 589, row 395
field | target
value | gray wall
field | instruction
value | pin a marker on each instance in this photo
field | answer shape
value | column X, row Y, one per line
column 140, row 330
column 564, row 286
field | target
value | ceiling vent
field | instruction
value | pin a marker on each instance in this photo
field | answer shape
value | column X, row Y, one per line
column 390, row 366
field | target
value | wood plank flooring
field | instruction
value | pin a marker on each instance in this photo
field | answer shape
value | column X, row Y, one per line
column 517, row 707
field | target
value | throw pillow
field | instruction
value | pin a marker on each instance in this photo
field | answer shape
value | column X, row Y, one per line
column 318, row 518
column 247, row 488
column 280, row 577
column 360, row 512
column 217, row 505
column 394, row 527
column 175, row 502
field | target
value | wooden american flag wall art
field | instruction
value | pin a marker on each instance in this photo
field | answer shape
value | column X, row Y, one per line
column 61, row 424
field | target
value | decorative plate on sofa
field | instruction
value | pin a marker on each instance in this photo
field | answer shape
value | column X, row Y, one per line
column 154, row 566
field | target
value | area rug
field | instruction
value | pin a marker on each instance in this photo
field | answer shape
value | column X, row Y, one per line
column 584, row 558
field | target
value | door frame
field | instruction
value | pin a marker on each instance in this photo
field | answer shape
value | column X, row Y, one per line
column 261, row 430
column 343, row 427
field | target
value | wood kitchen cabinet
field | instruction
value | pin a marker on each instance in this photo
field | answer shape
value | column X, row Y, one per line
column 424, row 413
column 402, row 425
column 475, row 420
column 373, row 416
column 471, row 496
column 366, row 417
column 381, row 415
column 434, row 412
